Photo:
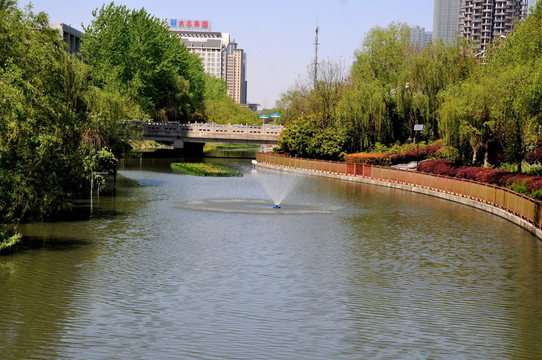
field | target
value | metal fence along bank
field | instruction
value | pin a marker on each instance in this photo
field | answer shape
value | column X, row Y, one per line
column 518, row 205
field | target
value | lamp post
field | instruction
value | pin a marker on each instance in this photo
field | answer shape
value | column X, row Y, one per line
column 417, row 128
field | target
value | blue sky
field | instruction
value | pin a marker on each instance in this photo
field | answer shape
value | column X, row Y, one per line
column 277, row 35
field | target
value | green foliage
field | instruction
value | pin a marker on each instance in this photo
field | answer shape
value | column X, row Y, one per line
column 215, row 88
column 392, row 86
column 227, row 111
column 54, row 127
column 447, row 153
column 204, row 169
column 11, row 239
column 319, row 99
column 526, row 168
column 519, row 188
column 133, row 52
column 302, row 138
column 502, row 100
column 479, row 107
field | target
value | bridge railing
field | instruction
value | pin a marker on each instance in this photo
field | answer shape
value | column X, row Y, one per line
column 515, row 203
column 175, row 128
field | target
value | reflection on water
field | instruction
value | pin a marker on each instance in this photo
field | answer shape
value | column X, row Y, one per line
column 385, row 274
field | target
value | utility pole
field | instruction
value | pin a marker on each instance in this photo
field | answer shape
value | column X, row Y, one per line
column 316, row 58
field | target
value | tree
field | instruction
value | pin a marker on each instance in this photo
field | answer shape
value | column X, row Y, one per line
column 55, row 128
column 368, row 108
column 302, row 138
column 466, row 116
column 502, row 99
column 427, row 73
column 215, row 88
column 226, row 110
column 133, row 51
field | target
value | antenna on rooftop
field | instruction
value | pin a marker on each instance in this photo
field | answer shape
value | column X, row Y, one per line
column 316, row 56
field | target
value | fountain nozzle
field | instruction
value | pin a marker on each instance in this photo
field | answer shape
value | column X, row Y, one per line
column 276, row 207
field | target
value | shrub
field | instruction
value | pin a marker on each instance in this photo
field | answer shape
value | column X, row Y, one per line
column 367, row 158
column 494, row 176
column 447, row 153
column 521, row 183
column 473, row 172
column 535, row 155
column 439, row 167
column 415, row 152
column 534, row 186
column 406, row 157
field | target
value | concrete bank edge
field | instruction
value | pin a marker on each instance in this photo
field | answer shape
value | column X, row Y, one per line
column 451, row 197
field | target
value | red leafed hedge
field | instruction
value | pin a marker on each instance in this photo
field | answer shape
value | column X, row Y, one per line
column 522, row 183
column 535, row 155
column 414, row 153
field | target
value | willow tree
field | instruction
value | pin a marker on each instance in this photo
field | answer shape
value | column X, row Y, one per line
column 362, row 116
column 43, row 115
column 55, row 129
column 367, row 111
column 466, row 116
column 502, row 100
column 427, row 73
column 517, row 65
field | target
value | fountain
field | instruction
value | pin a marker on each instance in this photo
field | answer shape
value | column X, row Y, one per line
column 277, row 184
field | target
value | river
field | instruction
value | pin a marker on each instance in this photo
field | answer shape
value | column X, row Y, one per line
column 183, row 267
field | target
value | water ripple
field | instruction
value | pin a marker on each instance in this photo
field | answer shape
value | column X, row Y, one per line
column 382, row 274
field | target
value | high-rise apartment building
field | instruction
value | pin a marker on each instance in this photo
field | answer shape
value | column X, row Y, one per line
column 446, row 20
column 220, row 57
column 235, row 73
column 483, row 20
column 418, row 36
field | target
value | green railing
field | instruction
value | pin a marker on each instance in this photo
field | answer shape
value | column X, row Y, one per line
column 513, row 202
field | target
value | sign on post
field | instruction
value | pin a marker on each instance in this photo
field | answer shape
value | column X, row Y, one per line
column 418, row 127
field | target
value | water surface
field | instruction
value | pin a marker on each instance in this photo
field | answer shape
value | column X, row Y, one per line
column 382, row 274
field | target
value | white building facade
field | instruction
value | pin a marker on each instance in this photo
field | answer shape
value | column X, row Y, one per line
column 220, row 57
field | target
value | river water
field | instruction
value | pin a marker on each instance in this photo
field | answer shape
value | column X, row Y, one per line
column 342, row 271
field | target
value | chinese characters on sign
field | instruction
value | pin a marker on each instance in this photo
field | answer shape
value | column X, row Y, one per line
column 184, row 24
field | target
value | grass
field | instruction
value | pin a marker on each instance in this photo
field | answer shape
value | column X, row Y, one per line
column 204, row 169
column 219, row 146
column 147, row 145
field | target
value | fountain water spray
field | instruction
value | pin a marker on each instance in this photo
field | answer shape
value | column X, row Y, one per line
column 277, row 184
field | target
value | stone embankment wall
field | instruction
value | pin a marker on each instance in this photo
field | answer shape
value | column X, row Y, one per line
column 515, row 207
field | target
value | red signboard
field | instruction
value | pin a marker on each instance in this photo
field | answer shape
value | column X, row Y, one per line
column 189, row 24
